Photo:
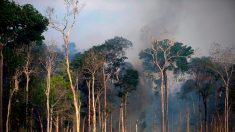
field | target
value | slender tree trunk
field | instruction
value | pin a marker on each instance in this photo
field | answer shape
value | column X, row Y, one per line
column 93, row 103
column 1, row 82
column 27, row 100
column 125, row 112
column 48, row 97
column 9, row 109
column 122, row 116
column 99, row 111
column 57, row 123
column 226, row 107
column 51, row 119
column 205, row 114
column 89, row 106
column 166, row 98
column 188, row 122
column 105, row 101
column 136, row 126
column 75, row 99
column 162, row 101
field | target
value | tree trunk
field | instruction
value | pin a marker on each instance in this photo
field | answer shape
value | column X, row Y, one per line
column 125, row 112
column 136, row 126
column 166, row 98
column 122, row 117
column 57, row 123
column 99, row 111
column 226, row 107
column 75, row 99
column 205, row 114
column 9, row 109
column 51, row 119
column 105, row 96
column 162, row 101
column 48, row 97
column 188, row 122
column 93, row 103
column 89, row 106
column 27, row 100
column 1, row 82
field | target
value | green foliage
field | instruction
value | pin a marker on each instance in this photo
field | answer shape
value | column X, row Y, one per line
column 176, row 54
column 128, row 81
column 21, row 24
column 113, row 51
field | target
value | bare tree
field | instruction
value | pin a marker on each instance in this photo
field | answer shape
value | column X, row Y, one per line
column 65, row 29
column 92, row 63
column 16, row 81
column 49, row 64
column 224, row 62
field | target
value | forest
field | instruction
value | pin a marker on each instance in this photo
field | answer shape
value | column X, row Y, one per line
column 48, row 88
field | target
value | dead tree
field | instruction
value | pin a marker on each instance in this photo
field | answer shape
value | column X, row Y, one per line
column 224, row 61
column 65, row 30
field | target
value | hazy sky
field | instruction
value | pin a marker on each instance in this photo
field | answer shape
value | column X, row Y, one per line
column 198, row 23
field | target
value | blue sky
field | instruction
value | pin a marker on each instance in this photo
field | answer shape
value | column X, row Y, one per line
column 198, row 23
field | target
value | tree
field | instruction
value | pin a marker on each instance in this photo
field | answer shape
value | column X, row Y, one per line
column 202, row 81
column 65, row 30
column 92, row 63
column 223, row 66
column 21, row 25
column 128, row 81
column 165, row 55
column 49, row 66
column 113, row 51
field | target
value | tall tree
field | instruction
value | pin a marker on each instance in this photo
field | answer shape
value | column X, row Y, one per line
column 202, row 81
column 92, row 64
column 223, row 66
column 127, row 82
column 21, row 25
column 113, row 51
column 65, row 30
column 49, row 65
column 164, row 56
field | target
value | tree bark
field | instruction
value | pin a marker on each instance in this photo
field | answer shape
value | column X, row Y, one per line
column 51, row 120
column 89, row 106
column 75, row 100
column 93, row 103
column 125, row 112
column 9, row 109
column 105, row 97
column 162, row 101
column 48, row 97
column 166, row 98
column 57, row 123
column 226, row 107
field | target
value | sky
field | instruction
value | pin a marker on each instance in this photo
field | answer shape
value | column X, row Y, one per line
column 198, row 23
